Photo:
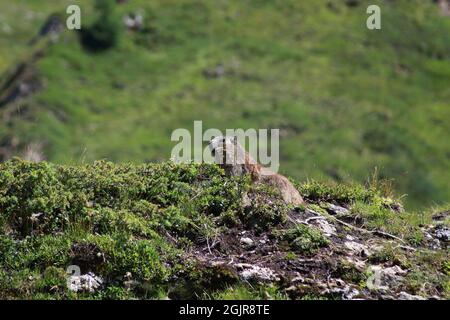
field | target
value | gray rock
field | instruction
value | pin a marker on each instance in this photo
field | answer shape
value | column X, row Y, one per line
column 406, row 296
column 346, row 292
column 385, row 278
column 327, row 228
column 85, row 283
column 299, row 279
column 442, row 233
column 246, row 241
column 338, row 209
column 357, row 249
column 35, row 216
column 246, row 202
column 254, row 272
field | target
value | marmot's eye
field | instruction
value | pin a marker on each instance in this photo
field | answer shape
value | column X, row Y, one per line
column 213, row 152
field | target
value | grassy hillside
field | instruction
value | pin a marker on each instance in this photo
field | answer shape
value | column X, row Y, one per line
column 182, row 231
column 347, row 99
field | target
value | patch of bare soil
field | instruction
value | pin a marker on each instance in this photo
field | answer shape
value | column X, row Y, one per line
column 345, row 269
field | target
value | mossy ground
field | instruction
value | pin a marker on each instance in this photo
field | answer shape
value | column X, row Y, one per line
column 122, row 213
column 166, row 230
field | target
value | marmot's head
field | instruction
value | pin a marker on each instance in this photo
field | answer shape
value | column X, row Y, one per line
column 228, row 153
column 227, row 150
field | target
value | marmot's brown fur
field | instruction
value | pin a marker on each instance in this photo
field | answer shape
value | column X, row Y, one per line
column 237, row 162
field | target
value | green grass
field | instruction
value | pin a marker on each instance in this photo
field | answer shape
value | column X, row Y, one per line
column 424, row 279
column 304, row 239
column 346, row 99
column 245, row 292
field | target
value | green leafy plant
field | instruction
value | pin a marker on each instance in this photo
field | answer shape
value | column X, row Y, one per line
column 302, row 238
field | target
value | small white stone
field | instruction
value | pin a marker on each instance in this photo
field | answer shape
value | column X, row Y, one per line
column 256, row 272
column 406, row 296
column 247, row 241
column 356, row 248
column 87, row 282
column 338, row 209
column 326, row 227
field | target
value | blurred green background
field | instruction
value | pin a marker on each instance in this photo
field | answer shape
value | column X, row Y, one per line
column 346, row 99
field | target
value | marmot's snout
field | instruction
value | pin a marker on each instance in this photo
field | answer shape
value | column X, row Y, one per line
column 218, row 145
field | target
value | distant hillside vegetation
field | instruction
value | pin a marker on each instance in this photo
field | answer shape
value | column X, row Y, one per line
column 347, row 99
